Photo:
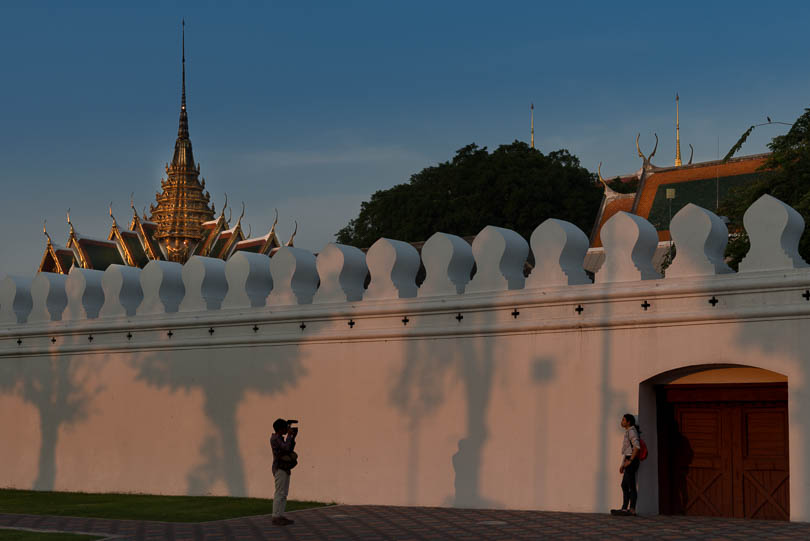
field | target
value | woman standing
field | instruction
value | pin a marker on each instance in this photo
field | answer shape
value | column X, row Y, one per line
column 631, row 447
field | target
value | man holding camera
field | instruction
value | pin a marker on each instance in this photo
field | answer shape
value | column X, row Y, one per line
column 284, row 460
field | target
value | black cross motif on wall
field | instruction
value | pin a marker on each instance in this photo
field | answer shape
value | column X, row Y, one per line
column 302, row 326
column 806, row 294
column 713, row 301
column 405, row 320
column 19, row 341
column 53, row 340
column 515, row 313
column 351, row 323
column 579, row 309
column 90, row 338
column 129, row 336
column 255, row 328
column 645, row 305
column 170, row 334
column 210, row 330
column 459, row 317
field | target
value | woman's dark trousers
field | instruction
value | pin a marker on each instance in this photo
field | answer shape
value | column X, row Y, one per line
column 629, row 493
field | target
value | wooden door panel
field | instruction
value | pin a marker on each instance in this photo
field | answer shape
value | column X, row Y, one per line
column 766, row 495
column 765, row 432
column 704, row 492
column 703, row 478
column 724, row 450
column 765, row 479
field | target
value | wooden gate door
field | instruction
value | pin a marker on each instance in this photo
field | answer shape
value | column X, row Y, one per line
column 724, row 450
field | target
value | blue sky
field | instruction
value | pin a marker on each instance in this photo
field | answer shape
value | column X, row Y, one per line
column 311, row 109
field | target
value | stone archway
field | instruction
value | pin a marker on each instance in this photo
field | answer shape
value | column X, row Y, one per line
column 719, row 442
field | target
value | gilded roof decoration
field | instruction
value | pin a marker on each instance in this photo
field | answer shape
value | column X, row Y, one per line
column 183, row 204
column 180, row 223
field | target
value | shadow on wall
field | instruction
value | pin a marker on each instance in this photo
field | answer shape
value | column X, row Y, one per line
column 224, row 381
column 61, row 390
column 419, row 391
column 543, row 373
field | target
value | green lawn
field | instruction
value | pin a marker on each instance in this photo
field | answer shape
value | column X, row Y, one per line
column 21, row 535
column 137, row 506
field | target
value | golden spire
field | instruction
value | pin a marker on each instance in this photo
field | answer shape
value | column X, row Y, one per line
column 678, row 162
column 531, row 113
column 182, row 206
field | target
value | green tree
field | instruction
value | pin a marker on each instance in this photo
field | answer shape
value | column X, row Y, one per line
column 623, row 187
column 515, row 186
column 788, row 180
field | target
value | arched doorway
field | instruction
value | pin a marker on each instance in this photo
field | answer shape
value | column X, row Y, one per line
column 722, row 441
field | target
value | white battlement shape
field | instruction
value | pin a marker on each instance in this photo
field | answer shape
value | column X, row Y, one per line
column 15, row 299
column 249, row 280
column 630, row 243
column 85, row 296
column 296, row 277
column 559, row 249
column 774, row 230
column 163, row 290
column 448, row 261
column 204, row 283
column 499, row 257
column 342, row 270
column 700, row 238
column 48, row 297
column 393, row 265
column 121, row 285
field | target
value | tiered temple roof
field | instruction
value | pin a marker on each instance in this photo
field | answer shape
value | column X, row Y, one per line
column 704, row 184
column 182, row 221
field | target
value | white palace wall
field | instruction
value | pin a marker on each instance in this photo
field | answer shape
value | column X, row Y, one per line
column 494, row 392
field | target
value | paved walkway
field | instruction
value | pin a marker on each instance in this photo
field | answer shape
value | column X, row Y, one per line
column 371, row 522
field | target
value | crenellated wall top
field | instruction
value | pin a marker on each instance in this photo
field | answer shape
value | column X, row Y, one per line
column 296, row 296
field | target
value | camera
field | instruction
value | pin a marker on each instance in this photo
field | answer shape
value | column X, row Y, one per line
column 293, row 429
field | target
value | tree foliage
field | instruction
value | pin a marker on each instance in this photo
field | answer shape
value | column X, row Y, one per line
column 618, row 186
column 788, row 180
column 515, row 186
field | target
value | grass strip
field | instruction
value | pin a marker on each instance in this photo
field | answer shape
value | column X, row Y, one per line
column 24, row 535
column 138, row 506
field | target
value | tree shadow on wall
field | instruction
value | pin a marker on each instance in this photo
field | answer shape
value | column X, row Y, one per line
column 224, row 381
column 543, row 374
column 60, row 389
column 419, row 391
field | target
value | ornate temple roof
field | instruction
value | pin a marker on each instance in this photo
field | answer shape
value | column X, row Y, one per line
column 183, row 205
column 703, row 184
column 182, row 220
column 663, row 191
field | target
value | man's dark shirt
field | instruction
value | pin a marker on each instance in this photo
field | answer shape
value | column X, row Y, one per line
column 280, row 447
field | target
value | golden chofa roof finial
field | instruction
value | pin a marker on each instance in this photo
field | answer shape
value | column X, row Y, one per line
column 72, row 231
column 290, row 242
column 531, row 114
column 646, row 159
column 115, row 224
column 608, row 189
column 275, row 222
column 678, row 161
column 45, row 230
column 239, row 220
